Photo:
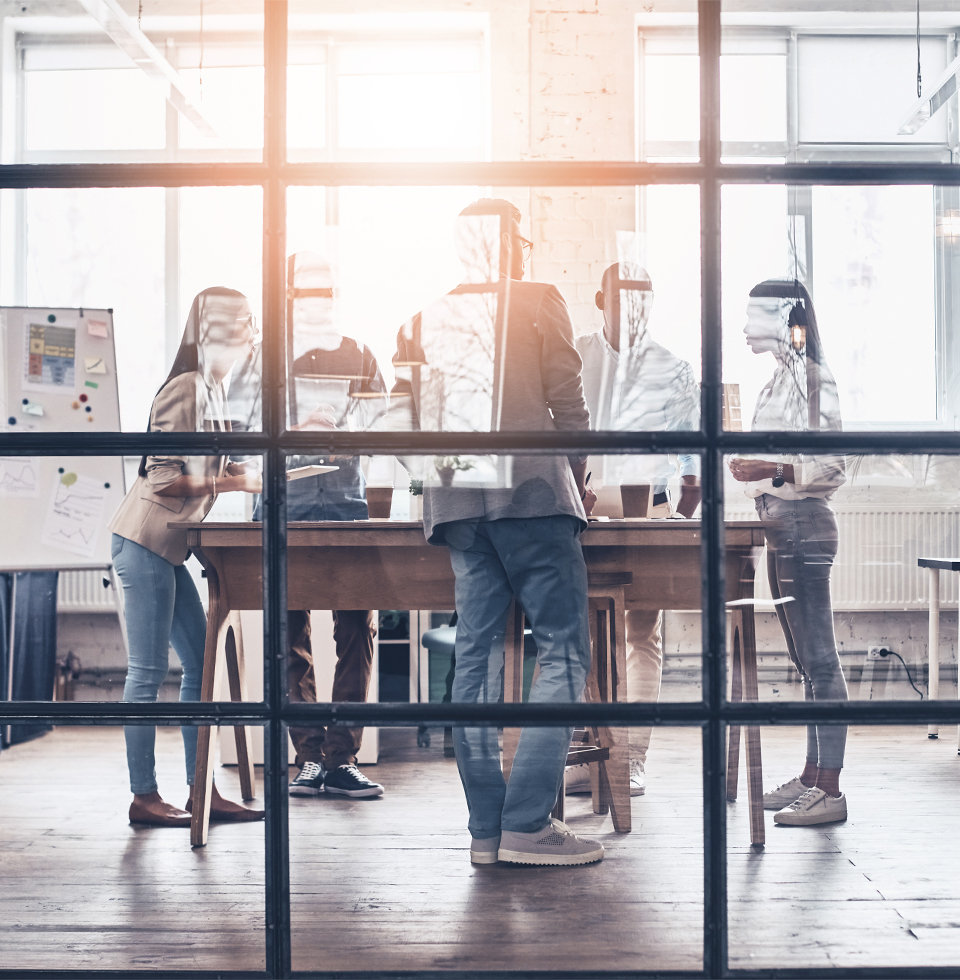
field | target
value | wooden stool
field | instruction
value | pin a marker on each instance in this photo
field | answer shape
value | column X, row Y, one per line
column 744, row 687
column 605, row 749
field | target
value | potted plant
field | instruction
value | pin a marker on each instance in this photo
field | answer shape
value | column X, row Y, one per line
column 447, row 467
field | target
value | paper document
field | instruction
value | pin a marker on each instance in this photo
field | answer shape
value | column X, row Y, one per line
column 95, row 365
column 50, row 362
column 97, row 328
column 75, row 515
column 18, row 476
column 315, row 470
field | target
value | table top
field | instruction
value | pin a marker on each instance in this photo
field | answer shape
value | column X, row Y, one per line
column 644, row 532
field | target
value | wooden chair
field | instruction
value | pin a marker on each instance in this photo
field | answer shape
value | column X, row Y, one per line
column 934, row 566
column 604, row 749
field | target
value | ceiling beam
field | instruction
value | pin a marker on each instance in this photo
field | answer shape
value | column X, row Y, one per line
column 944, row 88
column 123, row 31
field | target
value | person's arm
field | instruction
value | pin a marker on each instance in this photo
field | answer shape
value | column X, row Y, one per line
column 249, row 481
column 560, row 369
column 755, row 470
column 690, row 495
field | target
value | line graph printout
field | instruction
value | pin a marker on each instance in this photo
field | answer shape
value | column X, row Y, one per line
column 75, row 516
column 18, row 477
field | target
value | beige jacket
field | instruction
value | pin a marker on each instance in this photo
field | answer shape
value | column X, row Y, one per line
column 143, row 514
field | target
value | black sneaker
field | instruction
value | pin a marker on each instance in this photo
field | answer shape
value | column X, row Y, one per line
column 309, row 781
column 349, row 781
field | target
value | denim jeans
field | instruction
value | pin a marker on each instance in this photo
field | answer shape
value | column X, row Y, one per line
column 161, row 607
column 802, row 542
column 538, row 560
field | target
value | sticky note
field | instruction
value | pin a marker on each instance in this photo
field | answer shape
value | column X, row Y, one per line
column 95, row 365
column 97, row 328
column 91, row 384
column 32, row 408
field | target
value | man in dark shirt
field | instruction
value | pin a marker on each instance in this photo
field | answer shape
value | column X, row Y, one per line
column 336, row 383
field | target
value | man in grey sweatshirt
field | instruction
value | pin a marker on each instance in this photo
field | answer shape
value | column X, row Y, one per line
column 497, row 354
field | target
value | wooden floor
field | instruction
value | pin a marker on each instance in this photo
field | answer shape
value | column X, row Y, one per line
column 387, row 884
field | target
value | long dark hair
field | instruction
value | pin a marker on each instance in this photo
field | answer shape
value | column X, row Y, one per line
column 801, row 315
column 187, row 360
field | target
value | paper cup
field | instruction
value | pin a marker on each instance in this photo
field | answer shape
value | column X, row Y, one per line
column 636, row 499
column 379, row 501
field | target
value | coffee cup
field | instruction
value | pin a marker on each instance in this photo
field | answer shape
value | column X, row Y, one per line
column 379, row 502
column 636, row 499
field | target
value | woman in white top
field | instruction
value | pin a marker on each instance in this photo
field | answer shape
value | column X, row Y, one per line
column 161, row 603
column 792, row 494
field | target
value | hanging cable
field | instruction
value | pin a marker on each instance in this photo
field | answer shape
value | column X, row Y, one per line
column 200, row 74
column 139, row 15
column 919, row 80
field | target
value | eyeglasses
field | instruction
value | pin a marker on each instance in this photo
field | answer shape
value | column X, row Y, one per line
column 250, row 322
column 526, row 245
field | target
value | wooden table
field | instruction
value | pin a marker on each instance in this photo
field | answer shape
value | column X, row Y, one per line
column 389, row 565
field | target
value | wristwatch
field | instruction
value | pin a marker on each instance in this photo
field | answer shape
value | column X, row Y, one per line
column 778, row 481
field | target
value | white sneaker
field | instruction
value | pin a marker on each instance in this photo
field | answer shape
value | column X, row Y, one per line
column 784, row 795
column 554, row 844
column 638, row 779
column 577, row 780
column 813, row 807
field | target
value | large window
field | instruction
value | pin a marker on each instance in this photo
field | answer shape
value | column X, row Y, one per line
column 741, row 163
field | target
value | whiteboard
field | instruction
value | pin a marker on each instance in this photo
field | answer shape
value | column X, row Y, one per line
column 58, row 374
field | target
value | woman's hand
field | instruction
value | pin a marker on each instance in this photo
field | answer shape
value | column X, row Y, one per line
column 320, row 418
column 250, row 481
column 754, row 470
column 240, row 469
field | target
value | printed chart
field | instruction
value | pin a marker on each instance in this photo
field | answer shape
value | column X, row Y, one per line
column 75, row 515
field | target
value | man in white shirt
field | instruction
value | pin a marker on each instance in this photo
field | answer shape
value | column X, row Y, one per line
column 632, row 383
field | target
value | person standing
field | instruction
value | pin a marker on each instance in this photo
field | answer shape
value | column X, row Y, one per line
column 792, row 495
column 160, row 601
column 336, row 382
column 497, row 354
column 633, row 383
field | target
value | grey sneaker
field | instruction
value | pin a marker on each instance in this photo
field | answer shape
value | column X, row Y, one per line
column 784, row 795
column 638, row 778
column 554, row 844
column 484, row 851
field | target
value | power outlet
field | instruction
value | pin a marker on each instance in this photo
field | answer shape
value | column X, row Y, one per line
column 873, row 653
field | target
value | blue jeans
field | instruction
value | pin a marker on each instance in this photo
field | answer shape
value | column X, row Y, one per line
column 802, row 542
column 538, row 560
column 161, row 607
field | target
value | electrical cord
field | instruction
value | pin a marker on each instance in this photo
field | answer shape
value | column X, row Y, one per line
column 884, row 652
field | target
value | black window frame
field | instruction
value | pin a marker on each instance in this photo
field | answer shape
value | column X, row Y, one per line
column 713, row 714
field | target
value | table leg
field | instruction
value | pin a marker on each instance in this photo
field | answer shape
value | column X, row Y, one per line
column 733, row 732
column 754, row 762
column 236, row 673
column 512, row 679
column 933, row 644
column 203, row 777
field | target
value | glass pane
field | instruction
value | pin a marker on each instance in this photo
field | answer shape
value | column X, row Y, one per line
column 119, row 270
column 419, row 873
column 855, row 903
column 843, row 592
column 135, row 87
column 127, row 896
column 825, row 278
column 501, row 84
column 616, row 269
column 838, row 84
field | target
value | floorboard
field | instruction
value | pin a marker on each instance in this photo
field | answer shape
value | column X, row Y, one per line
column 387, row 884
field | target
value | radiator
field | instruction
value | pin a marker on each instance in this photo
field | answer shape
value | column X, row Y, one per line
column 876, row 565
column 83, row 592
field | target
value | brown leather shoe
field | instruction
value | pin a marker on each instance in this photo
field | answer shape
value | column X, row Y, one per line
column 241, row 814
column 140, row 814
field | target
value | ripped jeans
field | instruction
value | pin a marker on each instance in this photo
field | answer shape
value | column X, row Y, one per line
column 802, row 541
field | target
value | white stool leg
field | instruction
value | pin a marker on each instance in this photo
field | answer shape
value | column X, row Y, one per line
column 933, row 643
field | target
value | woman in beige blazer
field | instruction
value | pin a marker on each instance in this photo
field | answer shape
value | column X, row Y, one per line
column 161, row 603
